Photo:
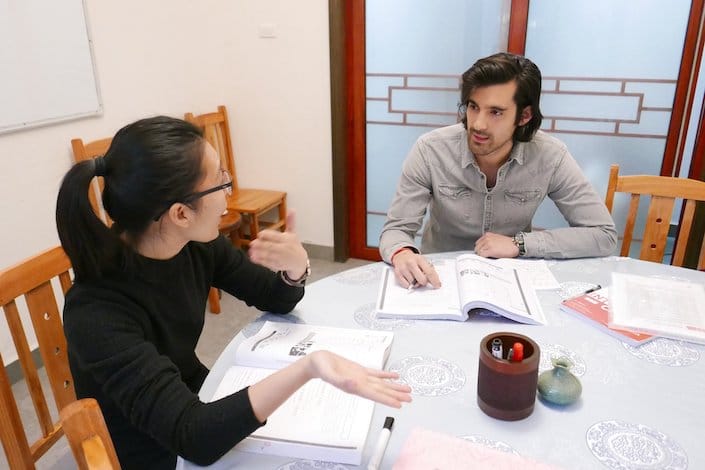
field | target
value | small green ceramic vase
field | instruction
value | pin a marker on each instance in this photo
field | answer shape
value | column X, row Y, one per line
column 559, row 385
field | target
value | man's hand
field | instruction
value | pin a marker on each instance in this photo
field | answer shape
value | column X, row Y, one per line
column 411, row 268
column 494, row 245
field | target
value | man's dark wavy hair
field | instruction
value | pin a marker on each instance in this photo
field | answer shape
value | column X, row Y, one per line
column 502, row 68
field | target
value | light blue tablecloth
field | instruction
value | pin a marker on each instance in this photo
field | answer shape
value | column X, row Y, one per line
column 640, row 408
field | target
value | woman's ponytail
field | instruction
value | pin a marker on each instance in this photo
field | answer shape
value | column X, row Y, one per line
column 92, row 247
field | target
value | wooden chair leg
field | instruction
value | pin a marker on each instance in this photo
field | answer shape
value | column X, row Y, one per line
column 214, row 300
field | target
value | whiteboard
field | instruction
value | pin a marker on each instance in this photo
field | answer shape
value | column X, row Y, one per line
column 47, row 73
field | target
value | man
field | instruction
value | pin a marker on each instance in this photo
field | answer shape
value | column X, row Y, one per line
column 483, row 179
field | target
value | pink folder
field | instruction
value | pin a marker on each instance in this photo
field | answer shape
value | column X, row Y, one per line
column 426, row 449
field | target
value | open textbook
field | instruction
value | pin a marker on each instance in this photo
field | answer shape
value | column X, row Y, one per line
column 319, row 421
column 467, row 282
column 661, row 307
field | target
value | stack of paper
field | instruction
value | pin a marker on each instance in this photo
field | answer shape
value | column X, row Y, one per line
column 661, row 307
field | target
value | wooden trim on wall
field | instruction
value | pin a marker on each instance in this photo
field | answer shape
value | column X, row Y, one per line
column 518, row 19
column 685, row 90
column 356, row 117
column 341, row 198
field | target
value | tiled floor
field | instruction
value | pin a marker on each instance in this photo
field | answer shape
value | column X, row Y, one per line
column 218, row 331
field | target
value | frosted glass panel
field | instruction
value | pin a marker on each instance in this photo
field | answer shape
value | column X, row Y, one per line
column 610, row 69
column 416, row 52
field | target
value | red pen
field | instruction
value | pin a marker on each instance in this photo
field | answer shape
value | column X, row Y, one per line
column 518, row 350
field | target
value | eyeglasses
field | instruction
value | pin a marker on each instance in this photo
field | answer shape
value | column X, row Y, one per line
column 227, row 186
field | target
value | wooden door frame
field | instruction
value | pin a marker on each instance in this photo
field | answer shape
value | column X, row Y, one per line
column 348, row 113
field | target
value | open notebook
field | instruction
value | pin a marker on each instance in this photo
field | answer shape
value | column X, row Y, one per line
column 319, row 421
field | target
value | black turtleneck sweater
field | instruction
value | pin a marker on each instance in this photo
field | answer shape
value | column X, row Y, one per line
column 131, row 345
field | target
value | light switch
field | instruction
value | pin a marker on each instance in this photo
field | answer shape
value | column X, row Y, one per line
column 267, row 30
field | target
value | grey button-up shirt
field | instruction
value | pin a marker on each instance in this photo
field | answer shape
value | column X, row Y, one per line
column 441, row 175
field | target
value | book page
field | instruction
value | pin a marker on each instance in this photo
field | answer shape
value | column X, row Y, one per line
column 483, row 283
column 537, row 269
column 278, row 344
column 394, row 300
column 317, row 414
column 663, row 307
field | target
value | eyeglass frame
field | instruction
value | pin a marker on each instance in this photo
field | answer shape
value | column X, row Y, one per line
column 227, row 187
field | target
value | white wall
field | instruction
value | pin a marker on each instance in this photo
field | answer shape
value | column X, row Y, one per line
column 173, row 56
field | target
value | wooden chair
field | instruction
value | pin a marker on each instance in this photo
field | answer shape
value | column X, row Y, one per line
column 88, row 436
column 31, row 279
column 251, row 203
column 229, row 223
column 663, row 190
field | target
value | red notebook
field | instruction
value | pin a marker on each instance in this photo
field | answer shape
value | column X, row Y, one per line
column 594, row 307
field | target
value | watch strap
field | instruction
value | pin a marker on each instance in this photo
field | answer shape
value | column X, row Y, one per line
column 300, row 282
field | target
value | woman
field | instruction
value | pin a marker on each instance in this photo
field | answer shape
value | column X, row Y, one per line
column 136, row 310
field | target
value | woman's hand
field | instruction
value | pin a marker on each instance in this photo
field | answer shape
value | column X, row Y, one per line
column 269, row 393
column 353, row 378
column 280, row 251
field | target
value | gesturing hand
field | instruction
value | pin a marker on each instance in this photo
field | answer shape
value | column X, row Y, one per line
column 353, row 378
column 280, row 251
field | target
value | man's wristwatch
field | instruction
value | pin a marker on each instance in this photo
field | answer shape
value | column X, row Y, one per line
column 518, row 240
column 300, row 281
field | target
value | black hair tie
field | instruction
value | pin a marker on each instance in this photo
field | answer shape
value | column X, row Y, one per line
column 99, row 166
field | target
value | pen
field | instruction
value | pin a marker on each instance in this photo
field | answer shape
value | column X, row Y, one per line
column 497, row 348
column 412, row 284
column 381, row 446
column 592, row 289
column 510, row 354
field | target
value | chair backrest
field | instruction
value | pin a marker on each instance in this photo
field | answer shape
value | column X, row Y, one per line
column 217, row 132
column 663, row 191
column 81, row 152
column 88, row 436
column 31, row 279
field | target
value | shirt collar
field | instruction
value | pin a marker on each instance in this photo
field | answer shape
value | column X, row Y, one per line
column 518, row 152
column 466, row 156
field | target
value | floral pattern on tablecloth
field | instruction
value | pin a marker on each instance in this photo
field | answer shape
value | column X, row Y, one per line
column 365, row 316
column 570, row 289
column 429, row 376
column 666, row 352
column 554, row 351
column 253, row 327
column 312, row 465
column 492, row 444
column 624, row 446
column 365, row 275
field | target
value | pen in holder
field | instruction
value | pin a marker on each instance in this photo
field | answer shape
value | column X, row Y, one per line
column 506, row 388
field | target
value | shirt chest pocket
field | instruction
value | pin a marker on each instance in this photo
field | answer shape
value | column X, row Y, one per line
column 454, row 192
column 524, row 197
column 454, row 206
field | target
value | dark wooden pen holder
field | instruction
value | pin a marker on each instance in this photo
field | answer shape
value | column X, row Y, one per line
column 507, row 390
